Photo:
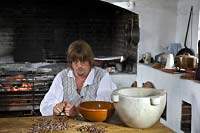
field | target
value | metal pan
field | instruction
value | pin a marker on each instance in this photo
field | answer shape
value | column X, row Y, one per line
column 187, row 62
column 186, row 50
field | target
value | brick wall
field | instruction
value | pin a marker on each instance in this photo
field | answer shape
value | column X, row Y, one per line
column 43, row 29
column 186, row 116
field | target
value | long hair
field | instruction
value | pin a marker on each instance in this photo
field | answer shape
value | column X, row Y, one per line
column 80, row 50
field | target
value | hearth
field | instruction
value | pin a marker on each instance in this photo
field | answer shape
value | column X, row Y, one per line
column 22, row 91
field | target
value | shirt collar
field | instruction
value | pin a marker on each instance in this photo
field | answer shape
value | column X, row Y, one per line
column 89, row 79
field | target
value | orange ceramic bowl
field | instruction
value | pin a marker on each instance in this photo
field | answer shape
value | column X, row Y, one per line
column 96, row 111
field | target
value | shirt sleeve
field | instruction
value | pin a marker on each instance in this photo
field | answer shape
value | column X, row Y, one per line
column 106, row 87
column 52, row 97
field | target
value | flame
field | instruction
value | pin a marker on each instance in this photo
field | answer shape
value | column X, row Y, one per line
column 23, row 87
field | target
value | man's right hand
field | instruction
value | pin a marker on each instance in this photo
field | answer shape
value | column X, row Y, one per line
column 58, row 108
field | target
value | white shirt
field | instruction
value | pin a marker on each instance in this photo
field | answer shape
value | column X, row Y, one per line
column 55, row 93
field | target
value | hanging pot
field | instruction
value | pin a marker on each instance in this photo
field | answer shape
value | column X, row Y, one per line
column 188, row 62
column 186, row 50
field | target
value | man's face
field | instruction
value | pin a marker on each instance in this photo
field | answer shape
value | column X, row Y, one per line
column 81, row 68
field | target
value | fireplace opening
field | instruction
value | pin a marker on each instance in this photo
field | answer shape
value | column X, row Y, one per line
column 40, row 30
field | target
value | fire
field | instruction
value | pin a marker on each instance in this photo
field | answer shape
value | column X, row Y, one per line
column 19, row 87
column 23, row 87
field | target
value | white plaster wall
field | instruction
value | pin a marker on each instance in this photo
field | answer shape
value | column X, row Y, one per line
column 168, row 82
column 163, row 22
column 183, row 10
column 178, row 90
column 123, row 80
column 199, row 27
column 157, row 22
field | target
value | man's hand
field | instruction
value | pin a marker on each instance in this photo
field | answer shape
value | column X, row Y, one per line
column 58, row 108
column 70, row 110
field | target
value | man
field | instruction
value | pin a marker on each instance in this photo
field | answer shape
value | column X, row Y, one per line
column 81, row 81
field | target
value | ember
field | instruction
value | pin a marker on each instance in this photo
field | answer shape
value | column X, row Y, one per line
column 17, row 87
column 23, row 87
column 21, row 92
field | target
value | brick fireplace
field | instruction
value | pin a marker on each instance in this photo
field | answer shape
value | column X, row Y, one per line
column 39, row 30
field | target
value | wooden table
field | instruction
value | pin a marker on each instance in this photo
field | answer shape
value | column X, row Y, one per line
column 24, row 124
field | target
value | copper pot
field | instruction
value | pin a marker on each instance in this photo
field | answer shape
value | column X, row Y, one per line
column 186, row 62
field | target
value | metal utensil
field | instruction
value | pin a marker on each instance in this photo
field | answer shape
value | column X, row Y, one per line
column 186, row 62
column 186, row 50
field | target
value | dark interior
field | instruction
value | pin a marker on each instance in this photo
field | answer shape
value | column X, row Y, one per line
column 41, row 30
